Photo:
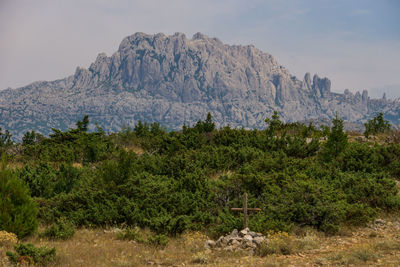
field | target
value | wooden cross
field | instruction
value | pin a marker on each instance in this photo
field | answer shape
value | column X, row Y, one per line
column 245, row 210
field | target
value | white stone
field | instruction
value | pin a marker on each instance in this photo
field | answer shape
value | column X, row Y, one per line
column 248, row 238
column 209, row 244
column 234, row 232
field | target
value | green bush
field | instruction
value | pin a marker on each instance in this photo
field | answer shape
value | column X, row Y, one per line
column 143, row 237
column 17, row 210
column 132, row 234
column 376, row 125
column 28, row 252
column 46, row 181
column 40, row 179
column 190, row 179
column 61, row 229
column 158, row 240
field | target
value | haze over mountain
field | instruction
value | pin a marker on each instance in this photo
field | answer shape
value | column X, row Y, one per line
column 175, row 80
column 390, row 91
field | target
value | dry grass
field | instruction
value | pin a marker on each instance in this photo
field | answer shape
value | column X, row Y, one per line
column 359, row 255
column 393, row 137
column 77, row 165
column 137, row 149
column 308, row 242
column 7, row 238
column 353, row 133
column 278, row 243
column 15, row 165
column 390, row 137
column 217, row 175
column 378, row 245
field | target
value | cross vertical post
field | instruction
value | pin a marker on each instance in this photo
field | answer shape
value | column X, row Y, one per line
column 245, row 211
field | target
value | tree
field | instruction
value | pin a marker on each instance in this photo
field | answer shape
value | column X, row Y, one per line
column 206, row 126
column 209, row 125
column 376, row 125
column 17, row 209
column 31, row 138
column 337, row 140
column 82, row 125
column 274, row 123
column 5, row 138
column 142, row 129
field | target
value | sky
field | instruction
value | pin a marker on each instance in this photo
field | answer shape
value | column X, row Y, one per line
column 355, row 43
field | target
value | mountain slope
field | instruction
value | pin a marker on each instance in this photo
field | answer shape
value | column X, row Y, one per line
column 174, row 80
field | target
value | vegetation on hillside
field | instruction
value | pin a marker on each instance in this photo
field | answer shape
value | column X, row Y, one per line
column 183, row 180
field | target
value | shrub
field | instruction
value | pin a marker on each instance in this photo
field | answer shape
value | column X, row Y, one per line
column 40, row 179
column 17, row 210
column 26, row 253
column 62, row 229
column 190, row 180
column 376, row 125
column 131, row 234
column 45, row 181
column 143, row 237
column 277, row 243
column 7, row 238
column 158, row 240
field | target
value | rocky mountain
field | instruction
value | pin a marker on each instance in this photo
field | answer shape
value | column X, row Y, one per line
column 174, row 80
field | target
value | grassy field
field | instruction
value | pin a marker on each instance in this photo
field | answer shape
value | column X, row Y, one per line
column 375, row 245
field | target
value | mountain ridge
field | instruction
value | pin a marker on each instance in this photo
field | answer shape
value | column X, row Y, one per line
column 174, row 80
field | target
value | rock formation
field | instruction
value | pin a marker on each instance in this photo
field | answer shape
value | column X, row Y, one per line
column 175, row 80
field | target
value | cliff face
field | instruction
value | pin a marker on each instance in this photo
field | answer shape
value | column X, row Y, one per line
column 174, row 80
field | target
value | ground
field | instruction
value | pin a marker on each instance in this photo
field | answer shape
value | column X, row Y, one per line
column 375, row 245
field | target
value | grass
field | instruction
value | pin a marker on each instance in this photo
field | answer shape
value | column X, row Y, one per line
column 387, row 245
column 145, row 237
column 308, row 242
column 359, row 255
column 307, row 247
column 277, row 243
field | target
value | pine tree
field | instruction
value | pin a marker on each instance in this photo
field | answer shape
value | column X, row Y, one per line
column 274, row 124
column 82, row 125
column 17, row 210
column 5, row 138
column 376, row 125
column 337, row 140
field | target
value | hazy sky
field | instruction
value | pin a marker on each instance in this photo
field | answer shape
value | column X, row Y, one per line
column 355, row 43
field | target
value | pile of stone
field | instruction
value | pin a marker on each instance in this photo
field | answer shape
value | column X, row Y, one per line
column 244, row 240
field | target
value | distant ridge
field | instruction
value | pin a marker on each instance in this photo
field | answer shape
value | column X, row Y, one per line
column 174, row 80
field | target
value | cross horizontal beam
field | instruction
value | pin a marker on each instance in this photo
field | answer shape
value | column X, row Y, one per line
column 248, row 209
column 245, row 209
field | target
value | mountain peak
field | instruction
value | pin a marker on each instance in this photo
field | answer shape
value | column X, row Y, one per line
column 175, row 80
column 200, row 36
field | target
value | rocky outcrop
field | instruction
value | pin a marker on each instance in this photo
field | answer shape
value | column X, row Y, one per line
column 243, row 240
column 175, row 80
